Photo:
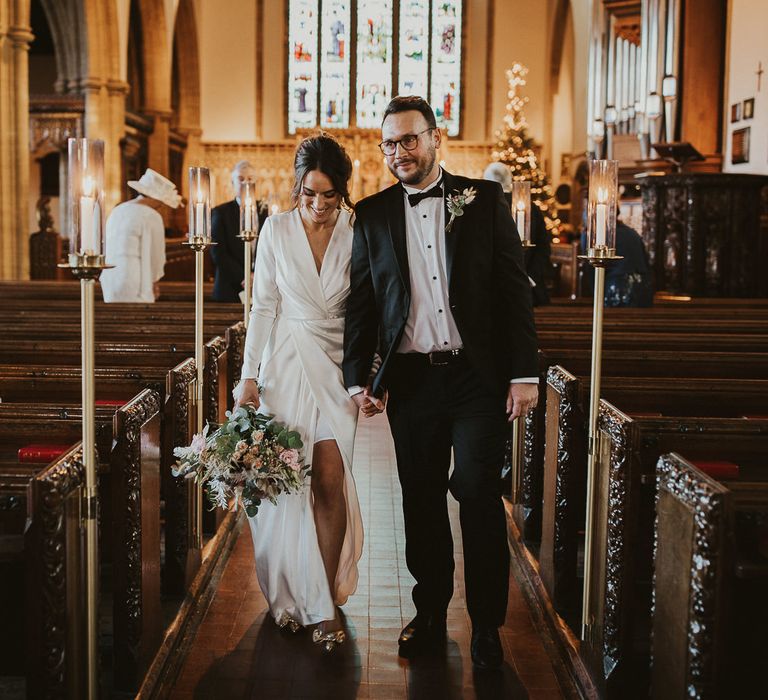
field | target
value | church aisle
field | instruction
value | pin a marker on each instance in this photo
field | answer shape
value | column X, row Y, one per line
column 238, row 652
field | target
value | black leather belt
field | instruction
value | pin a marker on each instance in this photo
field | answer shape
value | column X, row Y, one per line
column 437, row 358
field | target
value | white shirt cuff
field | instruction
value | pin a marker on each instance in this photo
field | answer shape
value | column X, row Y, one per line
column 524, row 380
column 355, row 390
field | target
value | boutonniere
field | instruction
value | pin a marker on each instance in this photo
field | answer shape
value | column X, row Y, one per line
column 457, row 202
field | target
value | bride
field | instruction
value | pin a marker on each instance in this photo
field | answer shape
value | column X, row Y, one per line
column 308, row 545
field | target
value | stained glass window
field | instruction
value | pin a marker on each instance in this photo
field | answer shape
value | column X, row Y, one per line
column 413, row 61
column 334, row 64
column 302, row 64
column 327, row 54
column 374, row 60
column 446, row 64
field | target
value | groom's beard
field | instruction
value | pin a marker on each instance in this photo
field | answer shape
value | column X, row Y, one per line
column 424, row 167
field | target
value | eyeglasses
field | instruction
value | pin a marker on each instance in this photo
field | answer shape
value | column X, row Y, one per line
column 408, row 142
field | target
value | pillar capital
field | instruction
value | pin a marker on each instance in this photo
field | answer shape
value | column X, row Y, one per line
column 21, row 36
column 117, row 87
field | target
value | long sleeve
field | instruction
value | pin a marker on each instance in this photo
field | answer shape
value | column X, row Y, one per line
column 158, row 253
column 514, row 294
column 266, row 300
column 361, row 328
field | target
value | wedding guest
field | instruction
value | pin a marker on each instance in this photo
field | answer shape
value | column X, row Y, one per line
column 438, row 287
column 228, row 255
column 629, row 281
column 135, row 241
column 537, row 260
column 307, row 546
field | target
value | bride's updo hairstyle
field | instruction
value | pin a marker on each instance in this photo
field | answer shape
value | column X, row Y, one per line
column 326, row 154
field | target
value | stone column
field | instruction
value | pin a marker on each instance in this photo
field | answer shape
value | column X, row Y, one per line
column 159, row 140
column 15, row 38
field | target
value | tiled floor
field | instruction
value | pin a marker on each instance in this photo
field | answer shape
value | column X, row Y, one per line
column 238, row 651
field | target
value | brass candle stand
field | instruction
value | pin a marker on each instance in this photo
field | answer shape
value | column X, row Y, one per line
column 87, row 267
column 247, row 237
column 516, row 456
column 599, row 257
column 195, row 493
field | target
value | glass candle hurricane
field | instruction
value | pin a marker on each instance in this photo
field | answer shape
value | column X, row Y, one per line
column 86, row 196
column 521, row 209
column 199, row 204
column 249, row 218
column 601, row 211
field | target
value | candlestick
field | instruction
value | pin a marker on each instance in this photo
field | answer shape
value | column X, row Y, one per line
column 601, row 215
column 248, row 224
column 520, row 220
column 87, row 210
column 601, row 235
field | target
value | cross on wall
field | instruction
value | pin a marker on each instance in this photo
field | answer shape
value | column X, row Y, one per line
column 759, row 72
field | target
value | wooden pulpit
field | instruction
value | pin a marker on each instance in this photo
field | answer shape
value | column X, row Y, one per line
column 704, row 235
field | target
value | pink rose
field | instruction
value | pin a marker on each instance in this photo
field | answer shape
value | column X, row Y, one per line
column 291, row 458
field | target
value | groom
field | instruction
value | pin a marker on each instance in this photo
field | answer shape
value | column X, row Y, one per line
column 438, row 289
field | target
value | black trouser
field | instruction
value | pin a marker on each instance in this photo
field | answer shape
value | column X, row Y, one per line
column 431, row 409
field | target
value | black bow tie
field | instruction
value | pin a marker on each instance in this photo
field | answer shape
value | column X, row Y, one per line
column 414, row 199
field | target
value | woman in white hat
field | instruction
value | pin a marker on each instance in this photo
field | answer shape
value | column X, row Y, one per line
column 135, row 242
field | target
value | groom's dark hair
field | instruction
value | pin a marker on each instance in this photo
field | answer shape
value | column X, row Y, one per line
column 411, row 103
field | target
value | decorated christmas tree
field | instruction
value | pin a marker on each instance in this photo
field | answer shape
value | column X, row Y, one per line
column 515, row 148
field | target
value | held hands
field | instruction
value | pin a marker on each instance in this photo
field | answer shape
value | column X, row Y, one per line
column 368, row 403
column 246, row 392
column 521, row 398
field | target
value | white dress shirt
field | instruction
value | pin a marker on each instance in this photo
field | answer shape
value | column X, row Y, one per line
column 430, row 326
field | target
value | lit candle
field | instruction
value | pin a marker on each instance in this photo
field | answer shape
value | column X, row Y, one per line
column 274, row 209
column 87, row 207
column 248, row 214
column 601, row 216
column 520, row 220
column 199, row 215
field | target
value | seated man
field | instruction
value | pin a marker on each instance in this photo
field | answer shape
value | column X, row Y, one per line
column 228, row 256
column 537, row 260
column 628, row 282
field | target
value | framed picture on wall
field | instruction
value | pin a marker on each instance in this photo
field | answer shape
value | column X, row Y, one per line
column 735, row 112
column 749, row 108
column 740, row 146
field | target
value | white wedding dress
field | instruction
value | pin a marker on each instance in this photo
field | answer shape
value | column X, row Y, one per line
column 294, row 348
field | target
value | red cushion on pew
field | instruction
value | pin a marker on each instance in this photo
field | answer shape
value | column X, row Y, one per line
column 719, row 470
column 117, row 403
column 38, row 453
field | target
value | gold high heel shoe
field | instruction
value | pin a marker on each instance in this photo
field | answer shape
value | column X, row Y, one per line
column 286, row 622
column 328, row 641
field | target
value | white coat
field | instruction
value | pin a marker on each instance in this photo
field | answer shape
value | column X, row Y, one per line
column 135, row 245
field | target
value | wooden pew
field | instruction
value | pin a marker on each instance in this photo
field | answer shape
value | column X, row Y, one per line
column 565, row 453
column 130, row 506
column 36, row 383
column 135, row 465
column 709, row 606
column 617, row 648
column 619, row 363
column 54, row 555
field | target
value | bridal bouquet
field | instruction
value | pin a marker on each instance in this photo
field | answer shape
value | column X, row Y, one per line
column 249, row 458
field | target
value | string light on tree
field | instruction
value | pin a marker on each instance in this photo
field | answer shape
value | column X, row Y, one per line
column 515, row 148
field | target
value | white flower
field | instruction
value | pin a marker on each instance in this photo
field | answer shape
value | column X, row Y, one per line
column 457, row 202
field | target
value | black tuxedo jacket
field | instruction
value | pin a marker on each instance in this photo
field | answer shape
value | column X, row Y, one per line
column 489, row 292
column 228, row 257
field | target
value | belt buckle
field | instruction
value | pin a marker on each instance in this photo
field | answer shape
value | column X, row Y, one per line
column 435, row 362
